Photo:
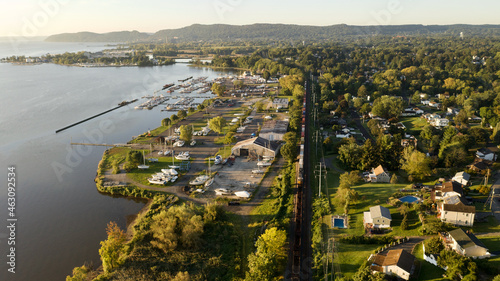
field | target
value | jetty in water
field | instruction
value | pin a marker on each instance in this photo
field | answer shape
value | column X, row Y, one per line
column 121, row 104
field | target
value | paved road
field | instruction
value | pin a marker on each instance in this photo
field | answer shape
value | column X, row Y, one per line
column 495, row 206
column 357, row 119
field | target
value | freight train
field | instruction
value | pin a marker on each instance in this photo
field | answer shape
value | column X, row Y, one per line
column 300, row 184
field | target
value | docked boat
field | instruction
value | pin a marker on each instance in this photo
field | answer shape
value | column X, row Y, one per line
column 166, row 153
column 157, row 181
column 160, row 152
column 218, row 160
column 263, row 164
column 182, row 157
column 209, row 182
column 179, row 143
column 193, row 142
column 170, row 171
column 199, row 180
column 257, row 171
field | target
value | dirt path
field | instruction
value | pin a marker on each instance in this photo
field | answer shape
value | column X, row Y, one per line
column 407, row 246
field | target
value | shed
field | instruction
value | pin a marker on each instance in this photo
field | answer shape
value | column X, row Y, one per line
column 256, row 147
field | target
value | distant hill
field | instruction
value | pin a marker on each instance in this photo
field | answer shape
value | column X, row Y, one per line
column 118, row 36
column 223, row 32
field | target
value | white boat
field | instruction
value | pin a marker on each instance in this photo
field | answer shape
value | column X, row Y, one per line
column 172, row 172
column 166, row 153
column 193, row 142
column 155, row 160
column 263, row 163
column 199, row 180
column 241, row 129
column 182, row 157
column 218, row 160
column 268, row 117
column 160, row 152
column 157, row 181
column 174, row 166
column 185, row 153
column 257, row 171
column 174, row 178
column 209, row 182
column 243, row 194
column 179, row 143
column 222, row 191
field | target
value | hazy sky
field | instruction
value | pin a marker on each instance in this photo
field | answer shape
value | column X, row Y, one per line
column 46, row 17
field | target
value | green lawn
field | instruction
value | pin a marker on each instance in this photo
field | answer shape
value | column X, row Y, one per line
column 142, row 176
column 487, row 227
column 414, row 124
column 428, row 271
column 351, row 256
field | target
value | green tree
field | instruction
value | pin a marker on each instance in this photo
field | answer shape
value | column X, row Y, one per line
column 186, row 133
column 218, row 89
column 79, row 274
column 230, row 138
column 259, row 106
column 404, row 222
column 266, row 75
column 362, row 92
column 166, row 122
column 394, row 179
column 433, row 246
column 462, row 118
column 173, row 118
column 217, row 124
column 370, row 157
column 182, row 114
column 416, row 164
column 267, row 262
column 111, row 248
column 387, row 107
column 350, row 154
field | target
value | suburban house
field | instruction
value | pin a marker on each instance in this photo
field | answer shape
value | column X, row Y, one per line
column 486, row 154
column 448, row 189
column 379, row 174
column 439, row 122
column 342, row 135
column 377, row 217
column 466, row 244
column 434, row 104
column 453, row 210
column 452, row 110
column 418, row 111
column 462, row 178
column 256, row 147
column 274, row 130
column 397, row 262
column 475, row 119
column 411, row 141
column 479, row 165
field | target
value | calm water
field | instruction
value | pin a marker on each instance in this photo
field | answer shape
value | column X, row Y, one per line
column 61, row 216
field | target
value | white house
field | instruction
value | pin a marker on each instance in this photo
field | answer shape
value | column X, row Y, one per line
column 377, row 217
column 440, row 122
column 418, row 111
column 462, row 178
column 397, row 262
column 486, row 154
column 379, row 174
column 466, row 244
column 453, row 210
column 452, row 110
column 434, row 104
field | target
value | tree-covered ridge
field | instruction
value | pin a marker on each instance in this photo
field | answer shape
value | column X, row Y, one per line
column 274, row 32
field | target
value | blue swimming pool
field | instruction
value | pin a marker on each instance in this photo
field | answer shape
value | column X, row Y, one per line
column 409, row 199
column 338, row 223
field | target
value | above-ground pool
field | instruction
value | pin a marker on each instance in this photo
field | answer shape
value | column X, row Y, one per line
column 409, row 199
column 338, row 223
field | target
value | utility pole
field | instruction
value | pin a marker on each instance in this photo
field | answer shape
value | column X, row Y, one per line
column 321, row 167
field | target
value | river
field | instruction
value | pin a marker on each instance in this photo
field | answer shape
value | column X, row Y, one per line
column 61, row 218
